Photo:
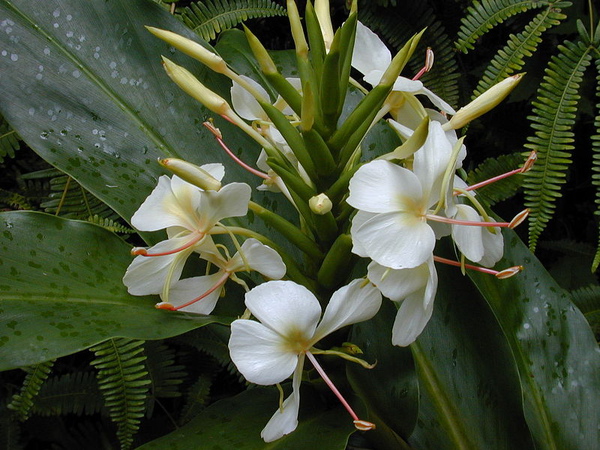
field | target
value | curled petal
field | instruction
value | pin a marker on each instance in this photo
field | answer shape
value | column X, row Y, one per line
column 397, row 284
column 231, row 201
column 396, row 240
column 468, row 239
column 353, row 303
column 259, row 353
column 381, row 187
column 285, row 307
column 410, row 320
column 190, row 288
column 493, row 243
column 260, row 258
column 245, row 104
column 285, row 419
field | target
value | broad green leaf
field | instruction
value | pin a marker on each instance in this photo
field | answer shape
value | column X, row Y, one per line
column 236, row 423
column 61, row 291
column 82, row 84
column 555, row 351
column 470, row 395
column 389, row 390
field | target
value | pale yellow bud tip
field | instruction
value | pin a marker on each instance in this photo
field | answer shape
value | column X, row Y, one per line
column 320, row 204
column 191, row 173
column 484, row 103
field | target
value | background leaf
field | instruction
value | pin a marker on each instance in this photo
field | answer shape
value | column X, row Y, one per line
column 555, row 351
column 61, row 291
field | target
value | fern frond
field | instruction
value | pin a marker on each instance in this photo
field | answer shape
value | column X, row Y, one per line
column 502, row 189
column 9, row 140
column 110, row 225
column 587, row 300
column 596, row 161
column 484, row 16
column 72, row 393
column 166, row 376
column 553, row 118
column 196, row 397
column 123, row 380
column 397, row 25
column 22, row 403
column 69, row 199
column 210, row 17
column 509, row 59
column 14, row 200
column 9, row 430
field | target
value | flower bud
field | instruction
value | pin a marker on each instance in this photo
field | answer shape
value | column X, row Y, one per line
column 267, row 66
column 320, row 204
column 324, row 18
column 482, row 104
column 191, row 48
column 191, row 173
column 192, row 86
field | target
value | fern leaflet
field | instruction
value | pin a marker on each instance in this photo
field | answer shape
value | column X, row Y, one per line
column 210, row 17
column 9, row 140
column 596, row 161
column 123, row 380
column 22, row 403
column 483, row 16
column 509, row 59
column 553, row 118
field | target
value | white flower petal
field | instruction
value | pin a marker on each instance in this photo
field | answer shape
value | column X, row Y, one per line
column 285, row 307
column 260, row 258
column 244, row 103
column 231, row 201
column 190, row 288
column 437, row 101
column 285, row 419
column 396, row 240
column 166, row 207
column 397, row 284
column 403, row 84
column 353, row 303
column 216, row 170
column 370, row 53
column 468, row 239
column 411, row 320
column 493, row 243
column 382, row 187
column 148, row 274
column 260, row 353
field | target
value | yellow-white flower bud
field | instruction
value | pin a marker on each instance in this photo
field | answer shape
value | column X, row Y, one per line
column 191, row 48
column 320, row 204
column 324, row 18
column 191, row 173
column 192, row 86
column 482, row 104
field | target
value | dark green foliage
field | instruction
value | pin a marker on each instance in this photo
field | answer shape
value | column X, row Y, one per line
column 196, row 398
column 484, row 16
column 553, row 118
column 587, row 300
column 210, row 17
column 9, row 140
column 22, row 403
column 166, row 375
column 124, row 381
column 595, row 138
column 397, row 25
column 72, row 393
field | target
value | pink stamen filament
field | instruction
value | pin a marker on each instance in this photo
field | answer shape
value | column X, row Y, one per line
column 335, row 390
column 219, row 139
column 216, row 286
column 526, row 166
column 502, row 274
column 470, row 223
column 143, row 252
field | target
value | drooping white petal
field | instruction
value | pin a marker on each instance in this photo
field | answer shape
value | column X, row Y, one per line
column 231, row 201
column 285, row 307
column 357, row 221
column 353, row 303
column 397, row 284
column 148, row 274
column 403, row 84
column 437, row 101
column 431, row 162
column 260, row 258
column 171, row 203
column 285, row 419
column 410, row 320
column 216, row 170
column 382, row 187
column 260, row 353
column 493, row 244
column 468, row 239
column 190, row 288
column 396, row 240
column 244, row 103
column 370, row 53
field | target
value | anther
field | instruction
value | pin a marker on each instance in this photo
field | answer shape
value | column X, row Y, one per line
column 507, row 273
column 165, row 305
column 135, row 251
column 519, row 218
column 363, row 425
